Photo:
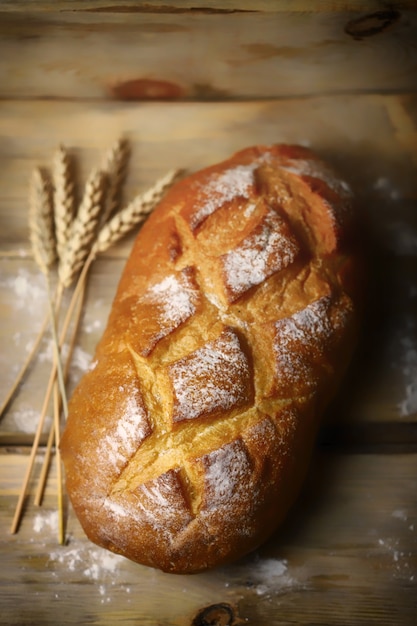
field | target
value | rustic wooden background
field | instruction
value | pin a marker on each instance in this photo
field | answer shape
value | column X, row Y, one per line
column 188, row 83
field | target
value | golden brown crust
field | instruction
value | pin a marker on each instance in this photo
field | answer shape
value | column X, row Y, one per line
column 233, row 322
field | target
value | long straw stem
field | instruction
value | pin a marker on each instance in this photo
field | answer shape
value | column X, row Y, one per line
column 34, row 449
column 57, row 345
column 60, row 492
column 39, row 429
column 79, row 289
column 55, row 430
column 25, row 366
column 46, row 462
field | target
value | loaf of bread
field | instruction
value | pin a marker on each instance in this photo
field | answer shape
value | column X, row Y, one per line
column 234, row 320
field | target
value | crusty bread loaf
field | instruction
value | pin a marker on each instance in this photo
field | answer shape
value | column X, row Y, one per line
column 235, row 317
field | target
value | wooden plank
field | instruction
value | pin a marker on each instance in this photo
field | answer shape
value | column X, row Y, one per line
column 405, row 127
column 207, row 55
column 364, row 144
column 355, row 133
column 346, row 556
column 130, row 6
column 348, row 552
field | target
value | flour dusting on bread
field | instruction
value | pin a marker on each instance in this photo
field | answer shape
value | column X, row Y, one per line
column 176, row 298
column 269, row 249
column 213, row 378
column 237, row 182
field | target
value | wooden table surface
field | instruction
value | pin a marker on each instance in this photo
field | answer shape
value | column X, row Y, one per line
column 347, row 553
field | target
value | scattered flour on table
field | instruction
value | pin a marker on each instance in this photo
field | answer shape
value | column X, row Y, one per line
column 400, row 235
column 95, row 315
column 28, row 289
column 94, row 564
column 45, row 521
column 93, row 326
column 25, row 294
column 386, row 187
column 400, row 559
column 403, row 558
column 404, row 360
column 26, row 419
column 400, row 514
column 91, row 562
column 267, row 577
column 271, row 575
column 80, row 359
column 402, row 239
column 31, row 294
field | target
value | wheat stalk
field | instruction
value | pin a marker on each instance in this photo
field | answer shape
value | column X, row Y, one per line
column 115, row 164
column 42, row 238
column 78, row 246
column 55, row 430
column 60, row 493
column 83, row 229
column 35, row 444
column 46, row 461
column 64, row 197
column 32, row 456
column 25, row 366
column 41, row 222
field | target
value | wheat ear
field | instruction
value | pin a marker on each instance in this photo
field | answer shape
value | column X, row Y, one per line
column 84, row 228
column 115, row 165
column 41, row 222
column 64, row 197
column 42, row 237
column 120, row 225
column 133, row 214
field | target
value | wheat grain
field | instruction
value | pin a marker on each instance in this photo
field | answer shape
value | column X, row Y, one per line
column 41, row 222
column 83, row 230
column 134, row 213
column 115, row 164
column 64, row 197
